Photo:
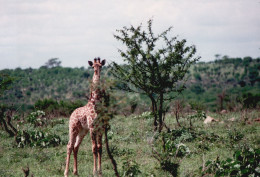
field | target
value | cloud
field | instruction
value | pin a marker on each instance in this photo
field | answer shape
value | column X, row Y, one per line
column 32, row 31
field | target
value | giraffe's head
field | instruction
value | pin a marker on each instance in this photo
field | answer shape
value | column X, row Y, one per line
column 97, row 65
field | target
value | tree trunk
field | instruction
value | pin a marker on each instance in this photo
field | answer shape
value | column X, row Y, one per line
column 161, row 113
column 177, row 118
column 154, row 110
column 6, row 128
column 177, row 111
column 9, row 118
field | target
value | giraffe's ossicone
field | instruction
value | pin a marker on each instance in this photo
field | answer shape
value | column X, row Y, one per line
column 88, row 119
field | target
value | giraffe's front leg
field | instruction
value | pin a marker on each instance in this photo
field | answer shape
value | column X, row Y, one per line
column 70, row 147
column 94, row 150
column 79, row 139
column 99, row 151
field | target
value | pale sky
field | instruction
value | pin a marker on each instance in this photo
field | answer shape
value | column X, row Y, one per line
column 75, row 31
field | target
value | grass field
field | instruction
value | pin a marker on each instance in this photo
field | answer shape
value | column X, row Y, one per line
column 130, row 141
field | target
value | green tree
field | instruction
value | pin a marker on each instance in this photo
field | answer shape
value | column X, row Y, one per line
column 53, row 62
column 5, row 82
column 152, row 70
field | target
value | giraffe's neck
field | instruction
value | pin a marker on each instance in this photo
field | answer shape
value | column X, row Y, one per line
column 95, row 88
column 96, row 78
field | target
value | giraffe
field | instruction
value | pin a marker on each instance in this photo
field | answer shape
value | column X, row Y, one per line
column 85, row 119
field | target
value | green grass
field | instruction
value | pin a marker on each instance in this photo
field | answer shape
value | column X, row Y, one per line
column 129, row 140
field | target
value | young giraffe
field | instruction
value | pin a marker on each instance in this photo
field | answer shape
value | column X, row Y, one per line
column 85, row 119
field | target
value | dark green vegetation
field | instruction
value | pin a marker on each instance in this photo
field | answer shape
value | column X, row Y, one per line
column 227, row 83
column 224, row 83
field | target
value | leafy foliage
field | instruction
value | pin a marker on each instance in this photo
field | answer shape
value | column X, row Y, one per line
column 54, row 108
column 245, row 162
column 144, row 115
column 5, row 82
column 235, row 135
column 169, row 149
column 36, row 118
column 36, row 138
column 130, row 168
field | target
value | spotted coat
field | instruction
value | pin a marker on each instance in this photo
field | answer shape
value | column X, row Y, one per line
column 87, row 119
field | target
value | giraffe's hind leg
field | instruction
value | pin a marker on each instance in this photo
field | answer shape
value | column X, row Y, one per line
column 73, row 132
column 99, row 151
column 79, row 139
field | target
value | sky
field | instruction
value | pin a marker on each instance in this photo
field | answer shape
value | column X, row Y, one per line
column 34, row 31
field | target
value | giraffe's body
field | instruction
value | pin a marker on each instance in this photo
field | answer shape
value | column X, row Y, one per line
column 86, row 119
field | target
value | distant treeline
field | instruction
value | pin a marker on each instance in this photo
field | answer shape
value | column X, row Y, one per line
column 221, row 84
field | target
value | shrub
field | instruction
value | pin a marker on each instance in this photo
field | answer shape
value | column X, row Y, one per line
column 179, row 135
column 130, row 168
column 200, row 115
column 36, row 138
column 245, row 162
column 235, row 135
column 57, row 108
column 45, row 104
column 169, row 150
column 250, row 100
column 197, row 89
column 197, row 76
column 36, row 118
column 121, row 152
column 144, row 115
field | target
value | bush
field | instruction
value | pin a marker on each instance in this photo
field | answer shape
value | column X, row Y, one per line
column 47, row 105
column 169, row 150
column 197, row 89
column 36, row 118
column 54, row 108
column 245, row 162
column 144, row 115
column 200, row 115
column 235, row 135
column 197, row 76
column 130, row 168
column 250, row 100
column 36, row 138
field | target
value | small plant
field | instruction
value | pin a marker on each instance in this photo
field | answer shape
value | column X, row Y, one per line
column 245, row 162
column 169, row 150
column 121, row 152
column 56, row 122
column 182, row 150
column 203, row 146
column 36, row 138
column 200, row 115
column 130, row 168
column 172, row 168
column 208, row 137
column 144, row 115
column 37, row 118
column 234, row 136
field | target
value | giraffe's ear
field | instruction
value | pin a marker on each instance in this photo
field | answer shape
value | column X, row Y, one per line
column 103, row 62
column 90, row 63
